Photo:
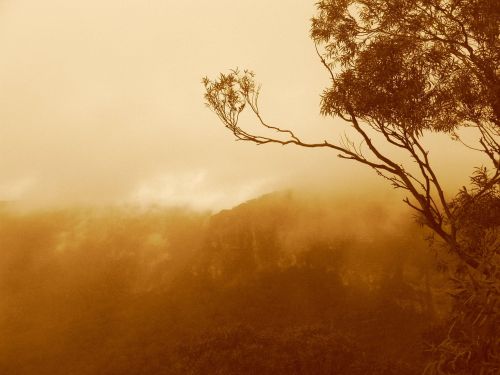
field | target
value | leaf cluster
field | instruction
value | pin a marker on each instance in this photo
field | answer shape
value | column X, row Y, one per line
column 420, row 65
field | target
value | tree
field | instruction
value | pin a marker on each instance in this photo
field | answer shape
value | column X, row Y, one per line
column 400, row 69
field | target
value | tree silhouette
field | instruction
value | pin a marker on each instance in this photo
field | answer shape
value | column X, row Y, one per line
column 400, row 69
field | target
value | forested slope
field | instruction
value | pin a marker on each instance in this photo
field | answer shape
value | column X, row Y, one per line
column 284, row 284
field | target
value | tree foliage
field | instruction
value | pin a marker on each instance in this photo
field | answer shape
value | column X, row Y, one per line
column 400, row 69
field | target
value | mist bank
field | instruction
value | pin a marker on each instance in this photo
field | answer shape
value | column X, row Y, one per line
column 286, row 283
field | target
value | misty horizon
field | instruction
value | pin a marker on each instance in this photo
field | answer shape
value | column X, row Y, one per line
column 116, row 115
column 233, row 187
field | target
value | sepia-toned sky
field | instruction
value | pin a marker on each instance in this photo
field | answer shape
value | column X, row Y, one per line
column 101, row 102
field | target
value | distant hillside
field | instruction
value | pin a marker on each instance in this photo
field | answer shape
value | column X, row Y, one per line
column 283, row 284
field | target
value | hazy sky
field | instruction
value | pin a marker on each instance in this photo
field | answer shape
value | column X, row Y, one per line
column 101, row 101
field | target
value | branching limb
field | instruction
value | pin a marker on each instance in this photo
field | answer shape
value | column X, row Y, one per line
column 231, row 93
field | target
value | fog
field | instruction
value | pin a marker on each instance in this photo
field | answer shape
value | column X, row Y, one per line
column 136, row 235
column 102, row 103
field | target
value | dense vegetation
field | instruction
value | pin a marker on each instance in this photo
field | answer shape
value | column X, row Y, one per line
column 280, row 285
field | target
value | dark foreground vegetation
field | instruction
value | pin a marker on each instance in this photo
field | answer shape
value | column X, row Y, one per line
column 278, row 285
